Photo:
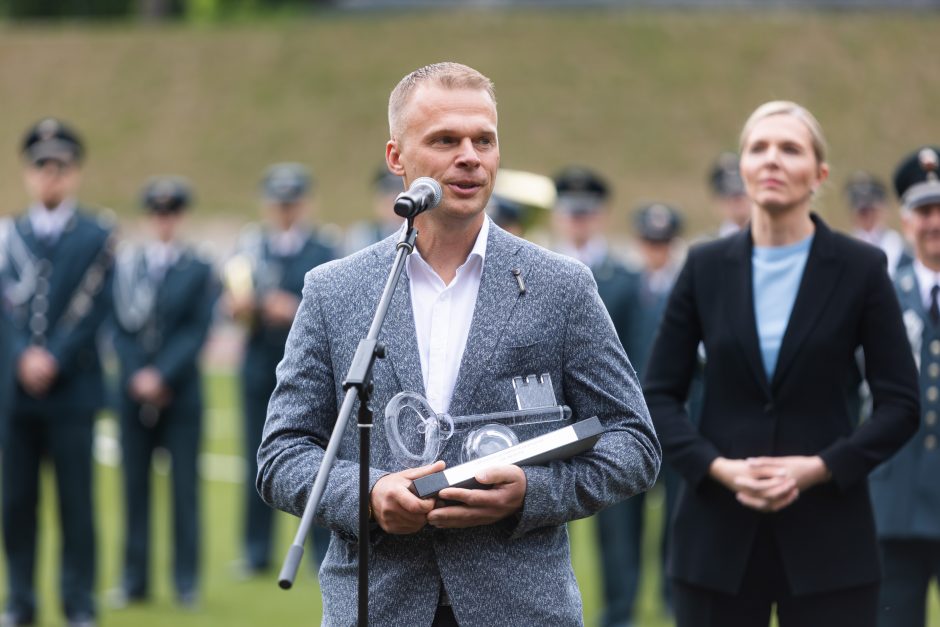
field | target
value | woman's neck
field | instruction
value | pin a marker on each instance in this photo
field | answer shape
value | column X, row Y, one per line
column 780, row 227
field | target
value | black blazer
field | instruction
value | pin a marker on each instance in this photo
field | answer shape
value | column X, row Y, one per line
column 845, row 300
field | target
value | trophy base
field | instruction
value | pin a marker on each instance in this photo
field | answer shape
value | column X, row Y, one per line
column 555, row 445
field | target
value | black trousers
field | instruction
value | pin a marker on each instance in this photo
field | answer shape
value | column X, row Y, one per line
column 67, row 441
column 258, row 516
column 909, row 566
column 178, row 430
column 765, row 586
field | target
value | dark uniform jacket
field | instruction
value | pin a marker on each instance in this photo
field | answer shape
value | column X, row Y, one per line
column 905, row 490
column 59, row 295
column 618, row 288
column 265, row 342
column 171, row 337
column 845, row 299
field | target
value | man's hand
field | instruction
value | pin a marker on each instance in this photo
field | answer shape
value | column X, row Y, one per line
column 482, row 507
column 394, row 507
column 278, row 308
column 36, row 371
column 147, row 386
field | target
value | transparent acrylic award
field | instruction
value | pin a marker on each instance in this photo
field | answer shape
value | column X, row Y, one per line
column 416, row 434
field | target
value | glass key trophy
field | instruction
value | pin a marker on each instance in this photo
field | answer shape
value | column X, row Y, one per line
column 417, row 435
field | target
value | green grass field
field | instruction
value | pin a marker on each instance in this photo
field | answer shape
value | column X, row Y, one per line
column 234, row 603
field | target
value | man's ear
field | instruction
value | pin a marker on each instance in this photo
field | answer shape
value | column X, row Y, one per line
column 393, row 158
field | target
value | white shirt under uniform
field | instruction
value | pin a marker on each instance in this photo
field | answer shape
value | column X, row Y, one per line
column 442, row 316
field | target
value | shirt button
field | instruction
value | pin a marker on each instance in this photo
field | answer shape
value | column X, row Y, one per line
column 930, row 418
column 933, row 370
column 930, row 442
column 935, row 347
column 932, row 393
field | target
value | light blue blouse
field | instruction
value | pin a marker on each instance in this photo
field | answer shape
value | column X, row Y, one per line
column 777, row 272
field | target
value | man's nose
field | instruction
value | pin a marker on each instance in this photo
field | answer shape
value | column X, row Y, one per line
column 467, row 155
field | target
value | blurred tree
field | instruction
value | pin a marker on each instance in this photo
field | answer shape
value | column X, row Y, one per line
column 67, row 8
column 159, row 9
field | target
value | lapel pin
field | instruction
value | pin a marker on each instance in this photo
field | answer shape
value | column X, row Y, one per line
column 516, row 272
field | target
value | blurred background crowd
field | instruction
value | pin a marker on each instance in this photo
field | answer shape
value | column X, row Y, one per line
column 240, row 144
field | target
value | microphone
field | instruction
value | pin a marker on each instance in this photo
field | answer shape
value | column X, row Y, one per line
column 425, row 193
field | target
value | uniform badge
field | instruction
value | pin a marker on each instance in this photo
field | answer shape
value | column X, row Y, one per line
column 907, row 282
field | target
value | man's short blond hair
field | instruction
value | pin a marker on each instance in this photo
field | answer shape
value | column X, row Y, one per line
column 447, row 74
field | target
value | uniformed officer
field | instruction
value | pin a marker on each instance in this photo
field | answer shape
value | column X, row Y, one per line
column 728, row 194
column 507, row 214
column 264, row 282
column 55, row 278
column 867, row 199
column 385, row 188
column 905, row 491
column 581, row 220
column 164, row 295
column 6, row 335
column 657, row 227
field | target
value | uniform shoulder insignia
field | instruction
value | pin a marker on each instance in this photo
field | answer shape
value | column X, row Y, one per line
column 106, row 218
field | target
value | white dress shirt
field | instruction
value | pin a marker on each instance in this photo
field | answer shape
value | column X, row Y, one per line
column 890, row 242
column 926, row 279
column 442, row 318
column 48, row 224
column 592, row 254
column 287, row 243
column 160, row 257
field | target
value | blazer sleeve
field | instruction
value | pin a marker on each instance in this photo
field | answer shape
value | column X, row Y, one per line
column 597, row 380
column 669, row 371
column 892, row 377
column 300, row 419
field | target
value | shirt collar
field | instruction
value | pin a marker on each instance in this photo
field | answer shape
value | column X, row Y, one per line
column 51, row 222
column 926, row 279
column 289, row 242
column 592, row 254
column 477, row 252
column 163, row 254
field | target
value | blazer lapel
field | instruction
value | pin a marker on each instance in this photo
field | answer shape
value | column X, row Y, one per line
column 816, row 288
column 398, row 331
column 739, row 296
column 498, row 295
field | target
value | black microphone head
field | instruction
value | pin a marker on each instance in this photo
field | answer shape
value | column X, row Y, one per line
column 423, row 194
column 436, row 192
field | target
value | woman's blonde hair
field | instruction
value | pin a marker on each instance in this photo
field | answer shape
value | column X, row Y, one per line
column 785, row 107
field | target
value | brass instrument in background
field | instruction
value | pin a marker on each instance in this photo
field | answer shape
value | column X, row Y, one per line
column 238, row 276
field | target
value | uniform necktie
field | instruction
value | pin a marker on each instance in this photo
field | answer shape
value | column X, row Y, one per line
column 934, row 306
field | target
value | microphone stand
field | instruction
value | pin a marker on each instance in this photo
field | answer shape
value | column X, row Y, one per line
column 358, row 386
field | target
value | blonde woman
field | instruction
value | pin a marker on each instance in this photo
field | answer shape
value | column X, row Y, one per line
column 775, row 509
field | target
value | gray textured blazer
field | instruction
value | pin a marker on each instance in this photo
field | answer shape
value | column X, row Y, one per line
column 517, row 571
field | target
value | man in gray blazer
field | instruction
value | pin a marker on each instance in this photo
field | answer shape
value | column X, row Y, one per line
column 475, row 307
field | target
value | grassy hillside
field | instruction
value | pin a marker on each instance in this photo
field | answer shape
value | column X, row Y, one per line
column 649, row 98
